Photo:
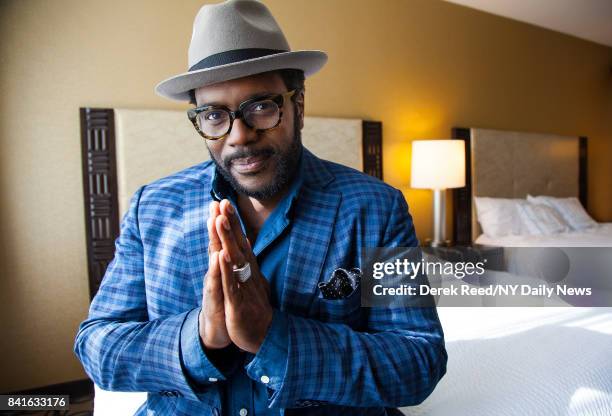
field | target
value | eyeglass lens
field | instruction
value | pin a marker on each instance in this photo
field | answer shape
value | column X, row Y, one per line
column 259, row 115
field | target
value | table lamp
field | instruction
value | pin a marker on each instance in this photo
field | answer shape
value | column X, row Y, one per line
column 438, row 165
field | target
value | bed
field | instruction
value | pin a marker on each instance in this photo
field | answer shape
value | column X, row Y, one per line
column 123, row 149
column 552, row 360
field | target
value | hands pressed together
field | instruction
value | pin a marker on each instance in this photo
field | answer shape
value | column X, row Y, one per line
column 232, row 312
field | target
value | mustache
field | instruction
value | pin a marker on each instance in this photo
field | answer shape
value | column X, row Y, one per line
column 244, row 153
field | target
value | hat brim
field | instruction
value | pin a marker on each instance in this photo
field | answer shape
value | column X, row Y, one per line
column 178, row 86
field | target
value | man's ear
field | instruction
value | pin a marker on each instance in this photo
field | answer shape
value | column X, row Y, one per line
column 299, row 103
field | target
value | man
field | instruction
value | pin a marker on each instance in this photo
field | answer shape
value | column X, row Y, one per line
column 211, row 304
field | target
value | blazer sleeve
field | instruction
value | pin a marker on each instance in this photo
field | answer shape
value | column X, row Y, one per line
column 396, row 361
column 119, row 347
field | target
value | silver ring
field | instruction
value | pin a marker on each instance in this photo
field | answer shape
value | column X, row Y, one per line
column 242, row 273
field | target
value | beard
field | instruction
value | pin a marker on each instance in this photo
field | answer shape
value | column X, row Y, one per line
column 286, row 166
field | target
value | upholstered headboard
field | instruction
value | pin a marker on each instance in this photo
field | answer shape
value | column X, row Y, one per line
column 510, row 164
column 123, row 149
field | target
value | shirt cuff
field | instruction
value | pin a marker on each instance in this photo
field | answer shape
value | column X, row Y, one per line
column 269, row 365
column 195, row 362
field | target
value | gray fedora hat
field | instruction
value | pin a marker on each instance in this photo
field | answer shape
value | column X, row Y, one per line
column 235, row 39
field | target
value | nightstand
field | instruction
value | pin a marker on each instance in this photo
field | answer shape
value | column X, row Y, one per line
column 491, row 256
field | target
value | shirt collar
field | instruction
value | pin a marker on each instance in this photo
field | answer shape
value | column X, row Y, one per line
column 294, row 188
column 220, row 188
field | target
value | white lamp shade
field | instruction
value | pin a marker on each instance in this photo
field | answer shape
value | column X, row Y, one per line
column 438, row 164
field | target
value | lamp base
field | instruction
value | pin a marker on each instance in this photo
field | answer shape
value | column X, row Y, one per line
column 432, row 243
column 439, row 211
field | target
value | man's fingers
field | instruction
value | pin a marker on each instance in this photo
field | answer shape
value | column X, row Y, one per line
column 227, row 278
column 250, row 256
column 212, row 297
column 214, row 242
column 229, row 211
column 213, row 276
column 213, row 208
column 213, row 287
column 224, row 230
column 213, row 264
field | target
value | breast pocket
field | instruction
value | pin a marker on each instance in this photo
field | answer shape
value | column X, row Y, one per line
column 346, row 310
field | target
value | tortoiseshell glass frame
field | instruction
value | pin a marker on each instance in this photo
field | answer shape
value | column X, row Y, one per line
column 279, row 99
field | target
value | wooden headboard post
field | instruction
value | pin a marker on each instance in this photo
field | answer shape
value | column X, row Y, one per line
column 462, row 197
column 583, row 185
column 100, row 190
column 372, row 148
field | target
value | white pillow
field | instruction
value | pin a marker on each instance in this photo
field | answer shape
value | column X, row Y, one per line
column 570, row 209
column 540, row 219
column 499, row 217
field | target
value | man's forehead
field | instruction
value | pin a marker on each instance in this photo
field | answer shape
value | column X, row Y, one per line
column 235, row 91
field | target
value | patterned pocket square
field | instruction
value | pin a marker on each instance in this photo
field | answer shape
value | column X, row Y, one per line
column 341, row 283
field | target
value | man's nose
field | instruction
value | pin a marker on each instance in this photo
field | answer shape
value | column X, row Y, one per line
column 241, row 134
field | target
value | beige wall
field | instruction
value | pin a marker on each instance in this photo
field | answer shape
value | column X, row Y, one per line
column 419, row 66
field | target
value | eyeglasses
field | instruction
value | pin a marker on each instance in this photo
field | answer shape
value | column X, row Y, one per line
column 214, row 122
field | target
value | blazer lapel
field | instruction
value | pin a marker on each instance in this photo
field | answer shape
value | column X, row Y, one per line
column 311, row 232
column 197, row 199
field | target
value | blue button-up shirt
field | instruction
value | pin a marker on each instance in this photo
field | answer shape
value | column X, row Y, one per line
column 248, row 381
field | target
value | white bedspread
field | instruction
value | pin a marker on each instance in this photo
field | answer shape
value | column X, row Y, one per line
column 600, row 236
column 577, row 259
column 524, row 361
column 115, row 403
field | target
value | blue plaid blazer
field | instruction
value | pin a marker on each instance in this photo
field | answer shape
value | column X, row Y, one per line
column 343, row 359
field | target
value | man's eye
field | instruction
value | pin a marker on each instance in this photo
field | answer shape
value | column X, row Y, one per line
column 262, row 106
column 215, row 117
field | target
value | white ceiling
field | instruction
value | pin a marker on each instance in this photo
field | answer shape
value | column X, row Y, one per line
column 586, row 19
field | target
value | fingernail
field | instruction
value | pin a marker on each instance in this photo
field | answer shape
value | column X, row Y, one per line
column 230, row 208
column 209, row 223
column 226, row 224
column 227, row 257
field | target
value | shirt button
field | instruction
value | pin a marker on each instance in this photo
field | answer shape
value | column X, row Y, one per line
column 243, row 412
column 265, row 379
column 212, row 379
